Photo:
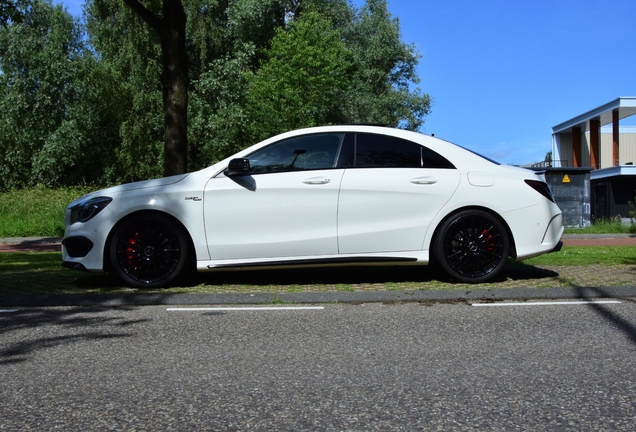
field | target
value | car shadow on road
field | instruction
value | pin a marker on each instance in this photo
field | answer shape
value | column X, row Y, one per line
column 388, row 276
column 522, row 271
column 346, row 275
column 319, row 276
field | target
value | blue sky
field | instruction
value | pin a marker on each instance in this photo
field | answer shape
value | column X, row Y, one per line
column 503, row 72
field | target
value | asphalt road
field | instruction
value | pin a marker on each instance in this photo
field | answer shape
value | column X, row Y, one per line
column 370, row 366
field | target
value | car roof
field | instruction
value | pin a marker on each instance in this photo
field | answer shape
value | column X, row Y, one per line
column 462, row 158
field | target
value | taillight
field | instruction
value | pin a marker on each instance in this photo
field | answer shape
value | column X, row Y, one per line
column 542, row 188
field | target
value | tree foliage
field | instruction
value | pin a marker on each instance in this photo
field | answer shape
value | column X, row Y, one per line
column 8, row 12
column 83, row 101
column 383, row 90
column 302, row 79
column 47, row 122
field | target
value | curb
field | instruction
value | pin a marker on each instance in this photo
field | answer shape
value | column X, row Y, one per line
column 31, row 240
column 518, row 294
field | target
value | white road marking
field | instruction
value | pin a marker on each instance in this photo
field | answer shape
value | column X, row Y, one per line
column 264, row 308
column 8, row 310
column 549, row 303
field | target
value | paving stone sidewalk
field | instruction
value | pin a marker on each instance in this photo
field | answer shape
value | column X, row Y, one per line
column 544, row 281
column 31, row 244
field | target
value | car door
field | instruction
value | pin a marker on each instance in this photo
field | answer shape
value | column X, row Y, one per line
column 390, row 194
column 286, row 206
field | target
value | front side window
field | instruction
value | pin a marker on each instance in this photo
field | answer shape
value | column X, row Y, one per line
column 311, row 152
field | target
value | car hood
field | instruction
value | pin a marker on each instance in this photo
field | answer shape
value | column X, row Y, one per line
column 164, row 181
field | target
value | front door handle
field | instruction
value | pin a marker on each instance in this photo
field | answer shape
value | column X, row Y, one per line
column 317, row 180
column 424, row 180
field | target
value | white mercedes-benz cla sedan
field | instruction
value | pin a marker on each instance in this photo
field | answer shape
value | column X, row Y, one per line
column 334, row 195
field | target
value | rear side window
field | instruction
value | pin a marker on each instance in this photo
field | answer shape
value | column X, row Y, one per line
column 373, row 150
column 383, row 151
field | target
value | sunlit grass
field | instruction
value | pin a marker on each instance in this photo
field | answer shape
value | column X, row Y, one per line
column 586, row 255
column 609, row 226
column 35, row 212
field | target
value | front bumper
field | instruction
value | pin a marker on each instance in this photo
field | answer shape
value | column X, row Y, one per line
column 74, row 266
column 84, row 243
column 77, row 247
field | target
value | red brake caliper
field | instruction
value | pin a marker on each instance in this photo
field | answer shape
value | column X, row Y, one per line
column 130, row 250
column 491, row 244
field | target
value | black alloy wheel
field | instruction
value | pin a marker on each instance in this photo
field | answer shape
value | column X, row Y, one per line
column 471, row 246
column 149, row 251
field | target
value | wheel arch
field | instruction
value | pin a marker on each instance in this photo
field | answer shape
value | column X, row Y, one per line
column 109, row 238
column 512, row 248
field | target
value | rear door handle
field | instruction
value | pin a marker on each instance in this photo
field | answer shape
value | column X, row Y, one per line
column 424, row 180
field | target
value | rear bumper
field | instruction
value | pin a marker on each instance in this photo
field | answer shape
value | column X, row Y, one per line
column 557, row 247
column 536, row 230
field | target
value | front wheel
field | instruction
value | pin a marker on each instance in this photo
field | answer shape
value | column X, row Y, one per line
column 149, row 251
column 471, row 246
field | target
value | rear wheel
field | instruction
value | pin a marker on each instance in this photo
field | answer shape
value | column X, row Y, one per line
column 471, row 246
column 149, row 251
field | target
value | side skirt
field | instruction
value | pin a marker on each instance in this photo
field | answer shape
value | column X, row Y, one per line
column 203, row 266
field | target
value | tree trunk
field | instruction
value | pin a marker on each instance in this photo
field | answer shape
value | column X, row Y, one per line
column 171, row 29
column 174, row 80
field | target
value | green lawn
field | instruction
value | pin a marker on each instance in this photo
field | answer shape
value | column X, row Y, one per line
column 36, row 211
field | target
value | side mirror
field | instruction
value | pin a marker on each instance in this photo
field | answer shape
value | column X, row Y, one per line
column 238, row 167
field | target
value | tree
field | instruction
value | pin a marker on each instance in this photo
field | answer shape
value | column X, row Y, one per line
column 226, row 52
column 300, row 83
column 383, row 91
column 356, row 71
column 171, row 29
column 44, row 132
column 130, row 66
column 232, row 45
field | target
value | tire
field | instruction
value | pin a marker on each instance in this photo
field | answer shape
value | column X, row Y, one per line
column 149, row 251
column 471, row 246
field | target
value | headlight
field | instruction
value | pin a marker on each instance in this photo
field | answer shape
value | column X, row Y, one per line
column 86, row 211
